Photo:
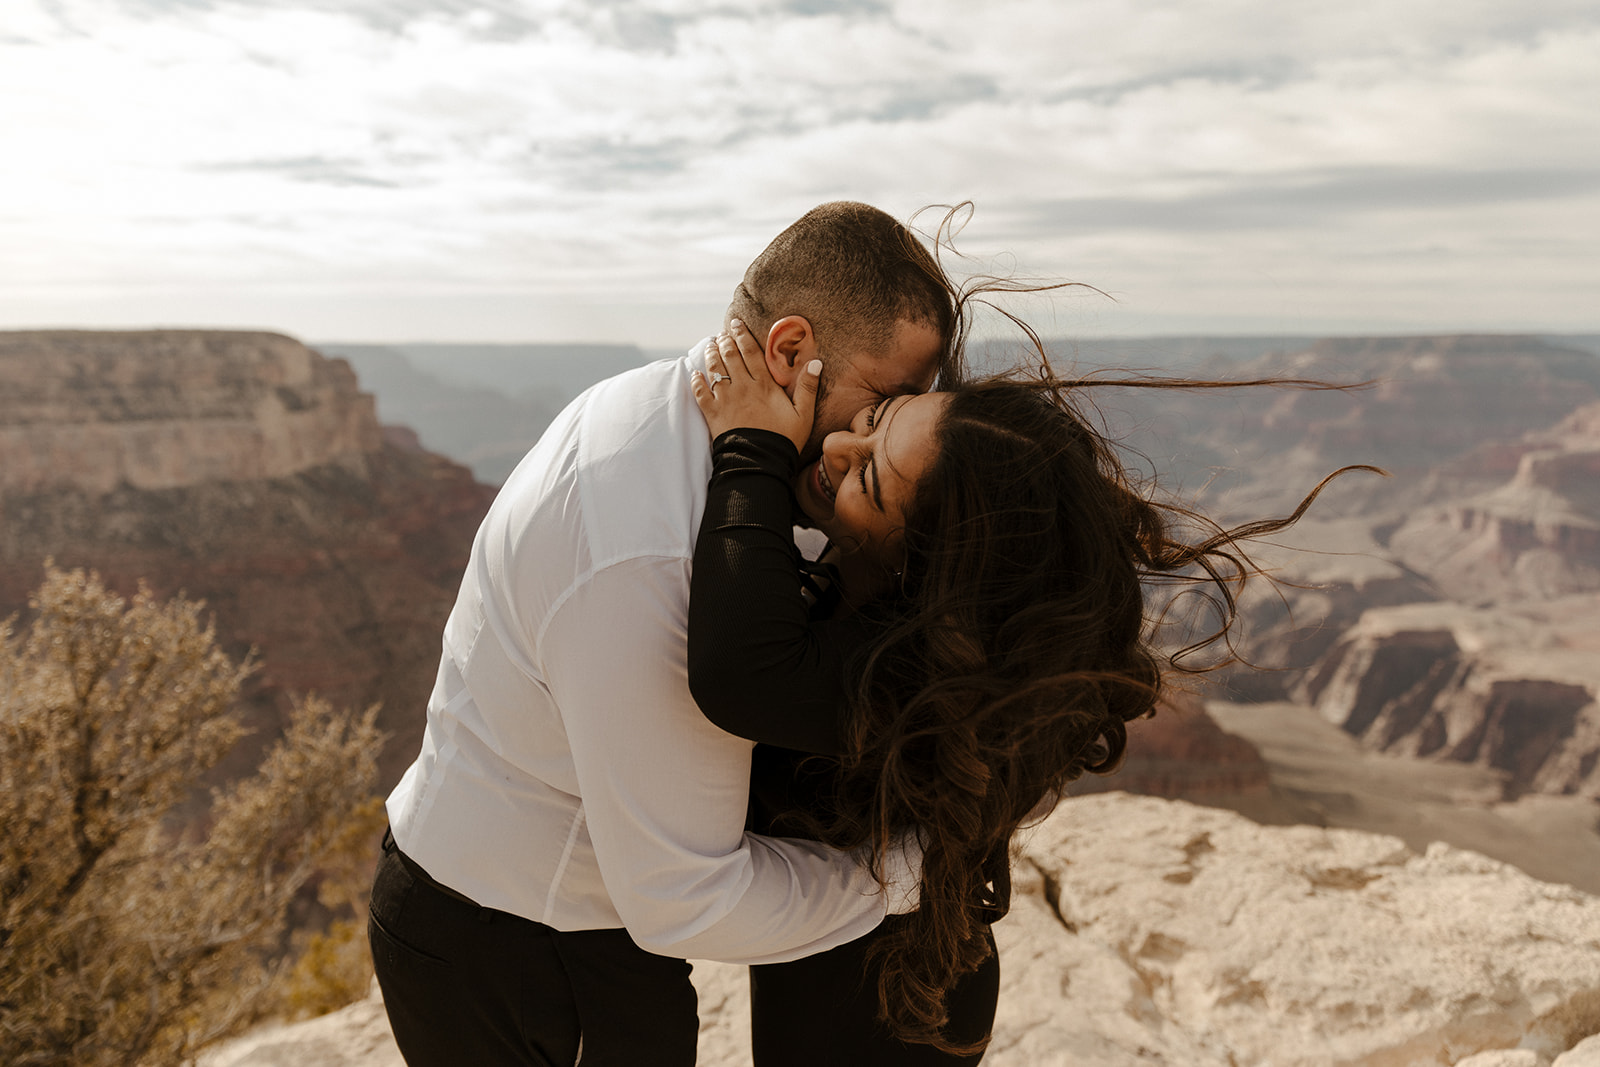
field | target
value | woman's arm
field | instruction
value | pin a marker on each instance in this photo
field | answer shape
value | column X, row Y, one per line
column 759, row 667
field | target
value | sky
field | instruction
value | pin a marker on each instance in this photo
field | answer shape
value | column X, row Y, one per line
column 602, row 170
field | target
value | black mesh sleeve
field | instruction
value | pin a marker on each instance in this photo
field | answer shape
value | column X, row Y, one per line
column 759, row 667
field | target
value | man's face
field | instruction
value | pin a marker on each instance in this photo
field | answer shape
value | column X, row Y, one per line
column 852, row 381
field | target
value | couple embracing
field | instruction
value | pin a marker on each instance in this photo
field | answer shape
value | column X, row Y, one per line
column 658, row 732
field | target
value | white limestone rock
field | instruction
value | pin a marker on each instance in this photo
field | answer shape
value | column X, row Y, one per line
column 1505, row 1057
column 1303, row 946
column 1585, row 1053
column 1157, row 932
column 353, row 1036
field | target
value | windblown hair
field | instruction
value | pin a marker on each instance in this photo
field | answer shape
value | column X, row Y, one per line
column 1018, row 650
column 853, row 272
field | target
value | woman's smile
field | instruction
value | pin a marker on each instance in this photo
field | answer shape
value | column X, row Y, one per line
column 857, row 491
column 825, row 489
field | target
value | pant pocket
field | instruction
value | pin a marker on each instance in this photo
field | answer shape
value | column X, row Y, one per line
column 389, row 948
column 398, row 918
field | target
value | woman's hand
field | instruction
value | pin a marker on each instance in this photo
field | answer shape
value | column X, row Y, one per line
column 738, row 390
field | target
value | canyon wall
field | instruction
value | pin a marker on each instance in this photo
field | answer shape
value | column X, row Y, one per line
column 1515, row 690
column 162, row 409
column 1181, row 752
column 1427, row 402
column 1536, row 535
column 246, row 470
column 1450, row 612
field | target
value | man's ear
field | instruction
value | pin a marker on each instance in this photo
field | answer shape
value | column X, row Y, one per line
column 790, row 346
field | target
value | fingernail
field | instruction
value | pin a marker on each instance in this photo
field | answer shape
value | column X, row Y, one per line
column 814, row 367
column 735, row 324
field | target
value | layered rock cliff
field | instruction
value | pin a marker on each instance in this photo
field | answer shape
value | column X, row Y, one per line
column 1459, row 625
column 1182, row 752
column 1513, row 689
column 246, row 470
column 163, row 409
column 1535, row 536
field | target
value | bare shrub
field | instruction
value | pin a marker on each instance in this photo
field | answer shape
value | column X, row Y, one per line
column 121, row 941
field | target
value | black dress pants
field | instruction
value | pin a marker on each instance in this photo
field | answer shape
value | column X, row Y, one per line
column 821, row 1011
column 465, row 984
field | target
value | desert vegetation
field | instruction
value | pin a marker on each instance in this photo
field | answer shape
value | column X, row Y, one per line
column 129, row 935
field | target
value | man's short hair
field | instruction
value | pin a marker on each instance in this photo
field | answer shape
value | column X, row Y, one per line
column 853, row 272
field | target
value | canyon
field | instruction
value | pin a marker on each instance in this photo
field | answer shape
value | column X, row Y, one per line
column 1445, row 612
column 1423, row 666
column 1448, row 612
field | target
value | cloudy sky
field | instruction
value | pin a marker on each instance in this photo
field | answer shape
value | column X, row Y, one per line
column 603, row 169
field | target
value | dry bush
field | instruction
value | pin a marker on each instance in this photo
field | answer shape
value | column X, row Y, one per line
column 121, row 942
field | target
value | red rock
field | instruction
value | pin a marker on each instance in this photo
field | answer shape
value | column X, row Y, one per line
column 1514, row 689
column 336, row 555
column 1180, row 752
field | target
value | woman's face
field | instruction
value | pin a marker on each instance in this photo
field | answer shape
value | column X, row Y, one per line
column 858, row 491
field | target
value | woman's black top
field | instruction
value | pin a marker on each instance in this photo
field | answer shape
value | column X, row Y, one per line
column 762, row 665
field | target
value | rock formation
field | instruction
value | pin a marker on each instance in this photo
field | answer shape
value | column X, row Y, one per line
column 246, row 470
column 1534, row 537
column 1513, row 688
column 164, row 409
column 483, row 429
column 1156, row 932
column 1462, row 630
column 1325, row 573
column 1181, row 752
column 1432, row 400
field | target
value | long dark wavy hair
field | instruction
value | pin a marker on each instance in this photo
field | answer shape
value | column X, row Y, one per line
column 1018, row 647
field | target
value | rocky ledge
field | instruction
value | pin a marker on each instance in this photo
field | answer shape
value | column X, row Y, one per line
column 1157, row 932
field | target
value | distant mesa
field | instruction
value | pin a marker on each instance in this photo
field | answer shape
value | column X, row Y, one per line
column 1513, row 688
column 164, row 409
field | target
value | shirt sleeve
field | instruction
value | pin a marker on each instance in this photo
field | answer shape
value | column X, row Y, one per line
column 759, row 667
column 664, row 791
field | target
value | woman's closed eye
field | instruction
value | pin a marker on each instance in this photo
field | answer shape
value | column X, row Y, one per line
column 874, row 417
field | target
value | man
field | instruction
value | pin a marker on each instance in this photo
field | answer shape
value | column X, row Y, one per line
column 573, row 825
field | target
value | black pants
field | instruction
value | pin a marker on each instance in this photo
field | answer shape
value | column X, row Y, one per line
column 465, row 984
column 821, row 1011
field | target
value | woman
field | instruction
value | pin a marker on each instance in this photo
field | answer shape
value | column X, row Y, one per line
column 974, row 641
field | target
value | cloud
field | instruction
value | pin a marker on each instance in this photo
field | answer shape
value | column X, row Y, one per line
column 314, row 169
column 652, row 146
column 1286, row 202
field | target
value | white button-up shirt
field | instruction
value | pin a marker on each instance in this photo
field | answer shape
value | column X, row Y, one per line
column 566, row 774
